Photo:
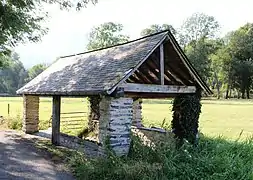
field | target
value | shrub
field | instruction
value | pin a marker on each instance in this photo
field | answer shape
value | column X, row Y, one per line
column 212, row 159
column 14, row 123
column 185, row 122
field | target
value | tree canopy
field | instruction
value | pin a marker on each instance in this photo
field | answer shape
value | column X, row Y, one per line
column 198, row 26
column 20, row 20
column 154, row 28
column 105, row 35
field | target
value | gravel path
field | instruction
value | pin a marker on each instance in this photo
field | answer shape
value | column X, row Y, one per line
column 21, row 160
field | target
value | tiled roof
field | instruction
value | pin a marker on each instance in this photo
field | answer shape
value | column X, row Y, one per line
column 92, row 72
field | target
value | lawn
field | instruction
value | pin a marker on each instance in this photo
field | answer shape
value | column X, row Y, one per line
column 226, row 117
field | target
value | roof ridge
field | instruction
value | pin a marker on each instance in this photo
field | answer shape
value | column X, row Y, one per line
column 86, row 52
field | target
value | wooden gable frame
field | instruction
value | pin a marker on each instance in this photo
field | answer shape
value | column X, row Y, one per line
column 165, row 71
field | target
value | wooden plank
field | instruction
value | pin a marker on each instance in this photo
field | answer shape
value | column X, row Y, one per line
column 155, row 70
column 148, row 72
column 65, row 117
column 150, row 95
column 161, row 64
column 142, row 76
column 72, row 124
column 150, row 88
column 136, row 79
column 56, row 120
column 73, row 112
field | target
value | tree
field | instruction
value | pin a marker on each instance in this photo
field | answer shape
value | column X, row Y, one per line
column 240, row 47
column 220, row 67
column 154, row 28
column 35, row 71
column 197, row 26
column 107, row 34
column 199, row 53
column 20, row 20
column 12, row 77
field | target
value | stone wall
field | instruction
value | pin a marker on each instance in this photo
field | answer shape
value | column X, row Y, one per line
column 93, row 114
column 154, row 136
column 89, row 148
column 115, row 123
column 137, row 113
column 30, row 114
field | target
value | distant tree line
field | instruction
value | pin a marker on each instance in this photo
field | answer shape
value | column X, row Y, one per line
column 14, row 75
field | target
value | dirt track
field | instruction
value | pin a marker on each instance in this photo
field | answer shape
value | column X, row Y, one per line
column 21, row 160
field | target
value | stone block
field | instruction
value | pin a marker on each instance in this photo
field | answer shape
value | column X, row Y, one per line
column 116, row 116
column 137, row 113
column 30, row 114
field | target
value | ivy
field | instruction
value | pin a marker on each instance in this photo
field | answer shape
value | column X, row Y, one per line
column 186, row 110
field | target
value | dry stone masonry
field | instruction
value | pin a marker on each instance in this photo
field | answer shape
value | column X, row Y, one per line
column 31, row 114
column 137, row 115
column 93, row 114
column 115, row 123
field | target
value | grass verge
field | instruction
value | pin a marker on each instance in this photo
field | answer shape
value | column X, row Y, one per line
column 213, row 159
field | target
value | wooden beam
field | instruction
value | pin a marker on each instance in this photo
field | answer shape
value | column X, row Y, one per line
column 56, row 120
column 151, row 88
column 161, row 64
column 130, row 80
column 149, row 95
column 150, row 73
column 137, row 79
column 142, row 76
column 155, row 70
column 176, row 81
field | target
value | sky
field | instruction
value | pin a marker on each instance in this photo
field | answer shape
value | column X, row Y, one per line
column 68, row 30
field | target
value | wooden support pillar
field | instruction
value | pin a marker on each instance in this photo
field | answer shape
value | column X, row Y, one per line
column 56, row 120
column 161, row 64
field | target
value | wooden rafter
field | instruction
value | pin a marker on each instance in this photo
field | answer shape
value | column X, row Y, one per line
column 161, row 65
column 134, row 78
column 171, row 76
column 148, row 74
column 167, row 77
column 155, row 70
column 143, row 77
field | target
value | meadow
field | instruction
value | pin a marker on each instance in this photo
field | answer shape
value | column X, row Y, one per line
column 219, row 154
column 228, row 118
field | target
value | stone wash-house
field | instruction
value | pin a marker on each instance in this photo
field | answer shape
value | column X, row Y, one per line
column 115, row 79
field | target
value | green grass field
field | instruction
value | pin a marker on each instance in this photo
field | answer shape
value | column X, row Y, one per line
column 226, row 117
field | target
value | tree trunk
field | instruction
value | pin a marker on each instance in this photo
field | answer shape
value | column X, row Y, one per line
column 227, row 91
column 243, row 93
column 230, row 92
column 217, row 85
column 247, row 92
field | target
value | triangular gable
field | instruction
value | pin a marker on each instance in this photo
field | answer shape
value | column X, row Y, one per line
column 177, row 68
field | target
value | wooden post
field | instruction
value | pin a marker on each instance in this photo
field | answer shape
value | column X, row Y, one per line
column 56, row 120
column 161, row 64
column 8, row 109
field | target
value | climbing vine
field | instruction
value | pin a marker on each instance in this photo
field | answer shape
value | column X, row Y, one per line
column 186, row 110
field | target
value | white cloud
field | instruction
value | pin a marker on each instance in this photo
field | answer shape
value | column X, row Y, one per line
column 68, row 30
